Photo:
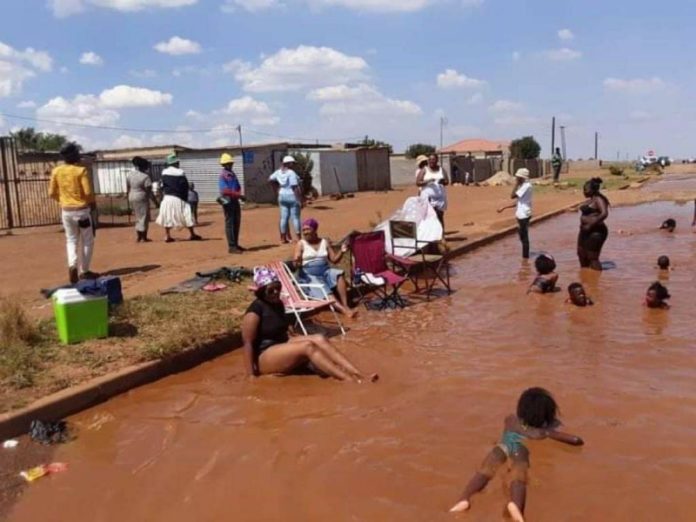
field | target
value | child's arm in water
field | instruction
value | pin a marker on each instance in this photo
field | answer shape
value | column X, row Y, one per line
column 565, row 438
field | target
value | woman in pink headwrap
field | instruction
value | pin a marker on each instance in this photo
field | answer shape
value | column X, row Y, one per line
column 268, row 349
column 314, row 256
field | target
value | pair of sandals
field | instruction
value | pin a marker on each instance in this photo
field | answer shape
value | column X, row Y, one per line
column 194, row 237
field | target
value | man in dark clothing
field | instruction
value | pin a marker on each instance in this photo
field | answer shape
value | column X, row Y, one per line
column 230, row 194
column 556, row 163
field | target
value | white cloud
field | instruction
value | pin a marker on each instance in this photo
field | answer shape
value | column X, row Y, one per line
column 475, row 99
column 254, row 111
column 566, row 35
column 501, row 106
column 126, row 141
column 562, row 55
column 252, row 6
column 64, row 8
column 122, row 96
column 636, row 85
column 177, row 46
column 451, row 79
column 28, row 104
column 294, row 69
column 516, row 56
column 12, row 78
column 84, row 109
column 376, row 5
column 363, row 98
column 91, row 58
column 640, row 116
column 18, row 66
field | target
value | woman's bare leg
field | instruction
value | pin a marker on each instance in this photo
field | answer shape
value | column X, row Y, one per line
column 285, row 358
column 518, row 484
column 495, row 458
column 338, row 358
column 342, row 291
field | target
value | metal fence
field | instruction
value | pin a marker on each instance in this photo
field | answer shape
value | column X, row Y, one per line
column 24, row 179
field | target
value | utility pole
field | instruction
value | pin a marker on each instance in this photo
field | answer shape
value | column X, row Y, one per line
column 239, row 130
column 563, row 142
column 596, row 145
column 443, row 122
column 553, row 135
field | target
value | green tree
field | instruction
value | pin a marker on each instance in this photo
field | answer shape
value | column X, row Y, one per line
column 369, row 142
column 415, row 150
column 525, row 148
column 30, row 140
column 303, row 167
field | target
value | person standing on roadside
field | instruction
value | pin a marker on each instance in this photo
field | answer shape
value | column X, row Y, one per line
column 230, row 194
column 139, row 187
column 286, row 183
column 193, row 201
column 432, row 180
column 175, row 211
column 71, row 187
column 556, row 163
column 522, row 193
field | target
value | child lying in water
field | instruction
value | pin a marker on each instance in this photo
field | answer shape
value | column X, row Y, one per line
column 669, row 225
column 577, row 295
column 656, row 296
column 536, row 419
column 545, row 281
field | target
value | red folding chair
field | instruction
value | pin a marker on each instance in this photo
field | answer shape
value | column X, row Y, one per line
column 369, row 257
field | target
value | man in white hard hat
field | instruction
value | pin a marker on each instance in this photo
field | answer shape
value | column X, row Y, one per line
column 522, row 193
column 230, row 194
column 287, row 185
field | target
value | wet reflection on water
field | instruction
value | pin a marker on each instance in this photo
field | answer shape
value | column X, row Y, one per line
column 210, row 445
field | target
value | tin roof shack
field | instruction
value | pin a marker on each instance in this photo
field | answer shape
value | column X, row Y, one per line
column 253, row 165
column 344, row 170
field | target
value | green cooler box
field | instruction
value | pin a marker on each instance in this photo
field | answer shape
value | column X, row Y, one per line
column 80, row 317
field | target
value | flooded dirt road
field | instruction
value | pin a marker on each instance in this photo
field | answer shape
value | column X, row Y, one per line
column 209, row 445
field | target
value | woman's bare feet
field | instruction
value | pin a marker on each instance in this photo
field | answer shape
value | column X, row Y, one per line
column 460, row 506
column 515, row 512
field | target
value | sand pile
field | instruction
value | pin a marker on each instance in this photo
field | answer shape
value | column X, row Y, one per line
column 500, row 179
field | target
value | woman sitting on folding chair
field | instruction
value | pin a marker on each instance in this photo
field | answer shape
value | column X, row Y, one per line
column 313, row 256
column 268, row 349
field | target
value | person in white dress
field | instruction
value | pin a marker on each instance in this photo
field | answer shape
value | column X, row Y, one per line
column 432, row 180
column 175, row 211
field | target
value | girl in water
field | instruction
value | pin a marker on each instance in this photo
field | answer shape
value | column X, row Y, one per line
column 577, row 295
column 593, row 230
column 656, row 296
column 536, row 418
column 545, row 281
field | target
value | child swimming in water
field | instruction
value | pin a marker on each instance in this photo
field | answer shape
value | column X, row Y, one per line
column 546, row 278
column 656, row 296
column 536, row 418
column 669, row 225
column 663, row 263
column 577, row 295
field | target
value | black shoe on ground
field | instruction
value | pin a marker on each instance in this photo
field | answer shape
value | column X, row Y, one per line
column 235, row 250
column 195, row 237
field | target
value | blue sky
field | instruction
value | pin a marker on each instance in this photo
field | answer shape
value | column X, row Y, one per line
column 332, row 70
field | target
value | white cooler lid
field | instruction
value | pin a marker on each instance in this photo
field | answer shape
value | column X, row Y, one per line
column 68, row 295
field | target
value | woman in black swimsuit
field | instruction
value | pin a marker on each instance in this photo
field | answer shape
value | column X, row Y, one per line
column 593, row 230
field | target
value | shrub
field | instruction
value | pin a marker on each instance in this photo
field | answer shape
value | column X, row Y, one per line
column 616, row 171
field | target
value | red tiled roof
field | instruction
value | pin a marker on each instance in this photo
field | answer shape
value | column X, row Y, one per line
column 477, row 145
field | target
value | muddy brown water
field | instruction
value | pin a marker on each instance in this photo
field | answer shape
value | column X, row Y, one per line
column 209, row 445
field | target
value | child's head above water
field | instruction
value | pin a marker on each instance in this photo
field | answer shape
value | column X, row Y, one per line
column 656, row 295
column 537, row 408
column 669, row 225
column 663, row 262
column 545, row 264
column 577, row 295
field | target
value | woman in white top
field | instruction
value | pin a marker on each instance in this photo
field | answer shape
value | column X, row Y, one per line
column 432, row 180
column 313, row 255
column 286, row 183
column 522, row 193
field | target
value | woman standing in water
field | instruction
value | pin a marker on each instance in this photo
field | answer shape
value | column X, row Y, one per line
column 593, row 230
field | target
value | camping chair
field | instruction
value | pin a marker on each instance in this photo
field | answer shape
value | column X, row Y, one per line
column 296, row 301
column 369, row 256
column 421, row 263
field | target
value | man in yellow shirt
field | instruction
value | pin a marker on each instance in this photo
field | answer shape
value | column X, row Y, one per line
column 71, row 187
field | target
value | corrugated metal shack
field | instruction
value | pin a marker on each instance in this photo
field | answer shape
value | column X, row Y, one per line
column 343, row 170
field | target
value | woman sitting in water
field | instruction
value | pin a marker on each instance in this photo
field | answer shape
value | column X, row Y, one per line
column 313, row 255
column 268, row 349
column 546, row 278
column 656, row 296
column 577, row 295
column 593, row 230
column 536, row 419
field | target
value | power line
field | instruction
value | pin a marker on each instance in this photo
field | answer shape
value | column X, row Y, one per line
column 170, row 131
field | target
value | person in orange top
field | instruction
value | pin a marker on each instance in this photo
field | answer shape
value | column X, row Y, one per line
column 71, row 187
